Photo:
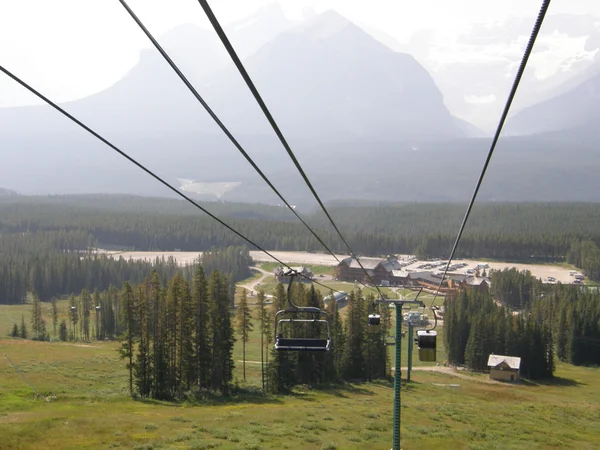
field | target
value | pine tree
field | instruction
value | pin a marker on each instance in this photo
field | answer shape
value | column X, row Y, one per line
column 15, row 330
column 222, row 333
column 142, row 364
column 186, row 338
column 23, row 330
column 338, row 332
column 244, row 326
column 128, row 319
column 264, row 324
column 63, row 331
column 282, row 375
column 354, row 357
column 561, row 335
column 202, row 343
column 74, row 316
column 54, row 315
column 86, row 306
column 38, row 329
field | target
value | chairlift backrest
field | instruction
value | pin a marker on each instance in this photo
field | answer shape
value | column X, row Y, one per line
column 426, row 342
column 374, row 320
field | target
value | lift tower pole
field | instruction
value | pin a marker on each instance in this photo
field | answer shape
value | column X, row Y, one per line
column 398, row 303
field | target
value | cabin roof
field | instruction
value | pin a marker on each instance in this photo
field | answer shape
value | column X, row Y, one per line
column 514, row 362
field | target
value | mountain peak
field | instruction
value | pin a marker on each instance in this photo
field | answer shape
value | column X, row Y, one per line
column 184, row 36
column 324, row 25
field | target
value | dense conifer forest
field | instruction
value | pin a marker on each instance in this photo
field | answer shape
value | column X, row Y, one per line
column 505, row 231
column 523, row 317
column 58, row 263
column 43, row 239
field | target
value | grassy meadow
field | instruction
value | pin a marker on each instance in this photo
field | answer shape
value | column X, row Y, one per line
column 85, row 404
column 92, row 410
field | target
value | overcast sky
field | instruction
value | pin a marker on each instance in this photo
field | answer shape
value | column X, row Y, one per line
column 72, row 48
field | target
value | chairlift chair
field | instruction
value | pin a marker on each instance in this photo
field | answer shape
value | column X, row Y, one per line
column 426, row 342
column 373, row 323
column 312, row 344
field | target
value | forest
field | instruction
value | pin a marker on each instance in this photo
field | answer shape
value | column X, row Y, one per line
column 571, row 313
column 177, row 338
column 475, row 327
column 58, row 263
column 509, row 231
column 523, row 317
column 47, row 243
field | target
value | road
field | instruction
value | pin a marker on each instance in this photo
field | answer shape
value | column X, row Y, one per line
column 251, row 287
column 437, row 369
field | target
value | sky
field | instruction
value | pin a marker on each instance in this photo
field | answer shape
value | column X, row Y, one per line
column 69, row 49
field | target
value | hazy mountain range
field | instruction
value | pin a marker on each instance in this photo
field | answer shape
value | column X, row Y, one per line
column 366, row 121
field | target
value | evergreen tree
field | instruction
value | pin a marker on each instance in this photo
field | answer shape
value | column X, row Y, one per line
column 244, row 326
column 338, row 335
column 354, row 357
column 86, row 306
column 74, row 316
column 63, row 331
column 15, row 330
column 54, row 315
column 38, row 328
column 222, row 333
column 142, row 366
column 202, row 331
column 23, row 330
column 128, row 318
column 264, row 319
column 282, row 375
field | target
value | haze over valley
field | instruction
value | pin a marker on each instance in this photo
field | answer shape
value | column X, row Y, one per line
column 422, row 110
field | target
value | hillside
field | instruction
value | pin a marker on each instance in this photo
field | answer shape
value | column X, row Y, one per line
column 577, row 107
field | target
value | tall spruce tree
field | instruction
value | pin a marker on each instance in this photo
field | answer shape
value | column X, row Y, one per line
column 282, row 375
column 244, row 326
column 54, row 315
column 222, row 333
column 202, row 330
column 265, row 328
column 127, row 316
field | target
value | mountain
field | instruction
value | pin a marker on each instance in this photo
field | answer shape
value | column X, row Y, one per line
column 474, row 68
column 328, row 79
column 578, row 107
column 250, row 34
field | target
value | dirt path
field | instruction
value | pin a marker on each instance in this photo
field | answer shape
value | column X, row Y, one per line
column 452, row 372
column 437, row 369
column 251, row 287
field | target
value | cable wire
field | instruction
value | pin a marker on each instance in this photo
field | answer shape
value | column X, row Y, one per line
column 238, row 63
column 212, row 114
column 148, row 171
column 511, row 96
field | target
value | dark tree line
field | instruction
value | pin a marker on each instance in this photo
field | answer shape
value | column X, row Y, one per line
column 515, row 289
column 57, row 263
column 475, row 326
column 569, row 314
column 178, row 338
column 503, row 231
column 574, row 316
column 585, row 254
column 572, row 313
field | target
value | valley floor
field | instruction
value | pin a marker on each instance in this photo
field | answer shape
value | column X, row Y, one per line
column 439, row 410
column 543, row 271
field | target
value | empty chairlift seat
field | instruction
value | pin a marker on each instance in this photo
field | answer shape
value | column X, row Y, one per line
column 302, row 344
